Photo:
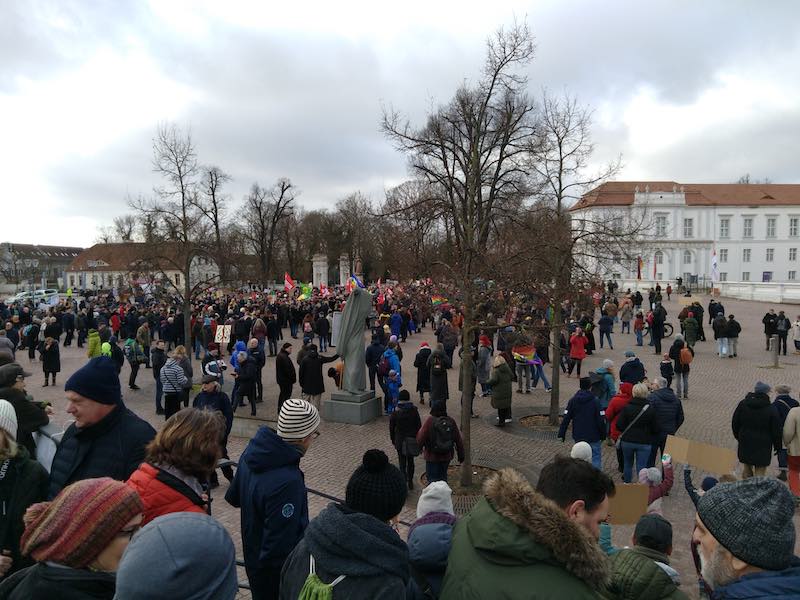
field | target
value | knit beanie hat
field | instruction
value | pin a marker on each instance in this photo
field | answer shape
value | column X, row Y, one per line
column 377, row 487
column 298, row 419
column 585, row 383
column 581, row 451
column 79, row 523
column 752, row 519
column 762, row 388
column 436, row 497
column 651, row 476
column 96, row 380
column 708, row 483
column 8, row 419
column 179, row 555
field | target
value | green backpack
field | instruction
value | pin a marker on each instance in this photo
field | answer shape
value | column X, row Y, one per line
column 316, row 589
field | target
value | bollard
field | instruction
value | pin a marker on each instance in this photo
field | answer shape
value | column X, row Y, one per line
column 774, row 347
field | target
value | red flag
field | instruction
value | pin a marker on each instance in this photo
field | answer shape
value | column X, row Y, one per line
column 639, row 268
column 288, row 282
column 654, row 267
column 348, row 287
column 379, row 283
column 381, row 299
column 324, row 290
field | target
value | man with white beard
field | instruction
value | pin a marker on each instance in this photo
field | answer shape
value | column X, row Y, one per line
column 746, row 540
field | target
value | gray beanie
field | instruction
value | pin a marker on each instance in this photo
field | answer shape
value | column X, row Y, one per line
column 762, row 388
column 752, row 519
column 179, row 555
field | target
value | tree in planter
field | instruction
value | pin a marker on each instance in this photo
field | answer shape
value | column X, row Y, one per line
column 474, row 151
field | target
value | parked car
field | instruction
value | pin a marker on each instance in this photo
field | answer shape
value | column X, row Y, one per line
column 45, row 294
column 21, row 297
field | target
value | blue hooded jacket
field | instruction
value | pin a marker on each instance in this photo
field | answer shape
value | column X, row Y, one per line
column 395, row 323
column 270, row 489
column 583, row 410
column 772, row 585
column 429, row 544
column 240, row 346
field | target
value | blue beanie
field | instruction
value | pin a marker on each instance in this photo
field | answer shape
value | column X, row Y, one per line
column 97, row 380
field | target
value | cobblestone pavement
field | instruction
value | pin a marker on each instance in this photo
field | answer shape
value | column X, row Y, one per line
column 716, row 386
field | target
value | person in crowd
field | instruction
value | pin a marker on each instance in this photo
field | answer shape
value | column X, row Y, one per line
column 31, row 337
column 182, row 358
column 613, row 411
column 483, row 364
column 691, row 329
column 423, row 371
column 501, row 389
column 256, row 354
column 273, row 335
column 770, row 322
column 720, row 327
column 755, row 426
column 211, row 397
column 584, row 412
column 403, row 427
column 658, row 484
column 626, row 316
column 632, row 370
column 796, row 334
column 352, row 550
column 213, row 364
column 639, row 431
column 51, row 360
column 173, row 380
column 606, row 325
column 76, row 558
column 393, row 385
column 7, row 343
column 285, row 374
column 657, row 326
column 135, row 357
column 429, row 540
column 518, row 542
column 643, row 571
column 746, row 540
column 179, row 555
column 158, row 359
column 246, row 375
column 682, row 355
column 732, row 332
column 438, row 364
column 30, row 415
column 144, row 341
column 310, row 375
column 782, row 404
column 269, row 489
column 638, row 328
column 23, row 482
column 259, row 334
column 106, row 439
column 577, row 351
column 791, row 440
column 667, row 369
column 705, row 485
column 178, row 462
column 437, row 437
column 373, row 358
column 608, row 386
column 93, row 343
column 669, row 414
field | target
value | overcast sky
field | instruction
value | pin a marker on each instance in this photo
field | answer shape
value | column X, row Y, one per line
column 683, row 90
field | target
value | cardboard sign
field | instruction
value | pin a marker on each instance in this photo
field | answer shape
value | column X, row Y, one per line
column 223, row 335
column 712, row 459
column 684, row 301
column 628, row 504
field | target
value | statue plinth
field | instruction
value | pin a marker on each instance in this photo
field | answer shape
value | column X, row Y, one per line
column 354, row 408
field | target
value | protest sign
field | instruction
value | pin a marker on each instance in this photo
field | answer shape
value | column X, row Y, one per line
column 628, row 504
column 703, row 456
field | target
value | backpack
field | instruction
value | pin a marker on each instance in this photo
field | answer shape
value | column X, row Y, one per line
column 442, row 437
column 599, row 386
column 685, row 356
column 316, row 589
column 383, row 366
column 437, row 366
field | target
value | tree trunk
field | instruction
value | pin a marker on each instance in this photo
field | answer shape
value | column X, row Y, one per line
column 187, row 313
column 556, row 376
column 468, row 393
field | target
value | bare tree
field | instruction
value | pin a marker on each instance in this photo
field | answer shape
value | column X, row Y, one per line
column 264, row 212
column 212, row 204
column 124, row 227
column 105, row 235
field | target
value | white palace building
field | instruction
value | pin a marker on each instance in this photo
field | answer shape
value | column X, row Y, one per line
column 753, row 228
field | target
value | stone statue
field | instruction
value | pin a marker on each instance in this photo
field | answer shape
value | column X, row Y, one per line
column 351, row 340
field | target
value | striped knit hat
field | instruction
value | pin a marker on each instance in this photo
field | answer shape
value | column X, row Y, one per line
column 79, row 523
column 8, row 418
column 297, row 419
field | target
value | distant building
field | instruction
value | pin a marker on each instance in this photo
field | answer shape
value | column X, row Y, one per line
column 130, row 264
column 753, row 228
column 28, row 264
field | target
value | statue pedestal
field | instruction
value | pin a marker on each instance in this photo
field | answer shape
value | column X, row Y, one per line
column 356, row 409
column 246, row 426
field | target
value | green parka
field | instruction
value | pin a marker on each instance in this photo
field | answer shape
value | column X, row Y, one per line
column 635, row 575
column 690, row 330
column 500, row 380
column 516, row 543
column 93, row 342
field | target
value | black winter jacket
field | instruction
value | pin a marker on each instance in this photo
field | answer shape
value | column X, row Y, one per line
column 30, row 416
column 423, row 372
column 645, row 430
column 285, row 373
column 756, row 427
column 404, row 423
column 311, row 380
column 113, row 447
column 48, row 581
column 668, row 409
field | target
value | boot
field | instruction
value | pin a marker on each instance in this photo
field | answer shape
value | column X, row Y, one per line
column 782, row 474
column 45, row 382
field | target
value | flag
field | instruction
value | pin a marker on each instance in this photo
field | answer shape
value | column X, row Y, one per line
column 436, row 300
column 324, row 290
column 379, row 283
column 288, row 282
column 305, row 289
column 655, row 266
column 639, row 268
column 356, row 281
column 714, row 266
column 381, row 299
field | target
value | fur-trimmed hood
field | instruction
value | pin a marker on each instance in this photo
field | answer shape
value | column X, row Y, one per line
column 547, row 526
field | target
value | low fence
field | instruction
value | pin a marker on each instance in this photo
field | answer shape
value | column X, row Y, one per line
column 760, row 291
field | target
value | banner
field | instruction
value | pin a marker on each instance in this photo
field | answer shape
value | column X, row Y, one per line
column 714, row 266
column 712, row 459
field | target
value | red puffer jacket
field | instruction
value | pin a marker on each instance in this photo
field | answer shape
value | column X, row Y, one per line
column 616, row 405
column 163, row 493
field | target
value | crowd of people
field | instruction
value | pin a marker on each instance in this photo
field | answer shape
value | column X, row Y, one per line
column 125, row 511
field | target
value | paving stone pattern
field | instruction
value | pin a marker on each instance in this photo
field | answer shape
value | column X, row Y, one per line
column 715, row 387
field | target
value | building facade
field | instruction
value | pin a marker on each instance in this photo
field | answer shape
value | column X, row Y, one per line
column 29, row 265
column 754, row 229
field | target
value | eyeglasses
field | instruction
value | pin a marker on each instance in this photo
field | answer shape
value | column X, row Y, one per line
column 316, row 434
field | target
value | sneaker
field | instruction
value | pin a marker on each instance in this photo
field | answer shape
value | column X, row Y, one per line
column 509, row 420
column 548, row 389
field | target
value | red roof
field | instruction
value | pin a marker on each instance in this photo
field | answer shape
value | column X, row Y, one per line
column 621, row 193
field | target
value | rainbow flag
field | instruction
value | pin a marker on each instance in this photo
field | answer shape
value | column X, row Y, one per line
column 305, row 288
column 356, row 281
column 437, row 300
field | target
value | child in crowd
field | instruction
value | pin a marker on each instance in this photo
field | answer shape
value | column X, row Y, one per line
column 393, row 388
column 667, row 369
column 638, row 328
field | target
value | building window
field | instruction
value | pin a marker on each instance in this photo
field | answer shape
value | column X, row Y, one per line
column 177, row 279
column 792, row 253
column 748, row 227
column 746, row 255
column 723, row 255
column 659, row 258
column 770, row 254
column 72, row 281
column 792, row 275
column 794, row 222
column 771, row 227
column 745, row 275
column 723, row 276
column 687, row 257
column 724, row 228
column 688, row 228
column 766, row 276
column 661, row 226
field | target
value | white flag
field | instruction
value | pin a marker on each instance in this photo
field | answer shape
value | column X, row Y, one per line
column 714, row 267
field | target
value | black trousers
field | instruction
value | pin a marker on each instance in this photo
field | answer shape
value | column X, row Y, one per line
column 265, row 583
column 406, row 465
column 172, row 403
column 68, row 339
column 284, row 395
column 259, row 387
column 134, row 372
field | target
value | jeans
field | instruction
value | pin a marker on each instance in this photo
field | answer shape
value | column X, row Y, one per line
column 681, row 377
column 539, row 374
column 782, row 335
column 486, row 389
column 436, row 471
column 626, row 325
column 597, row 457
column 198, row 347
column 159, row 393
column 732, row 343
column 638, row 452
column 606, row 335
column 323, row 343
column 722, row 347
column 293, row 329
column 523, row 372
column 639, row 339
column 273, row 347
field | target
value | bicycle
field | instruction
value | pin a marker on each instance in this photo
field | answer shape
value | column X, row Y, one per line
column 668, row 330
